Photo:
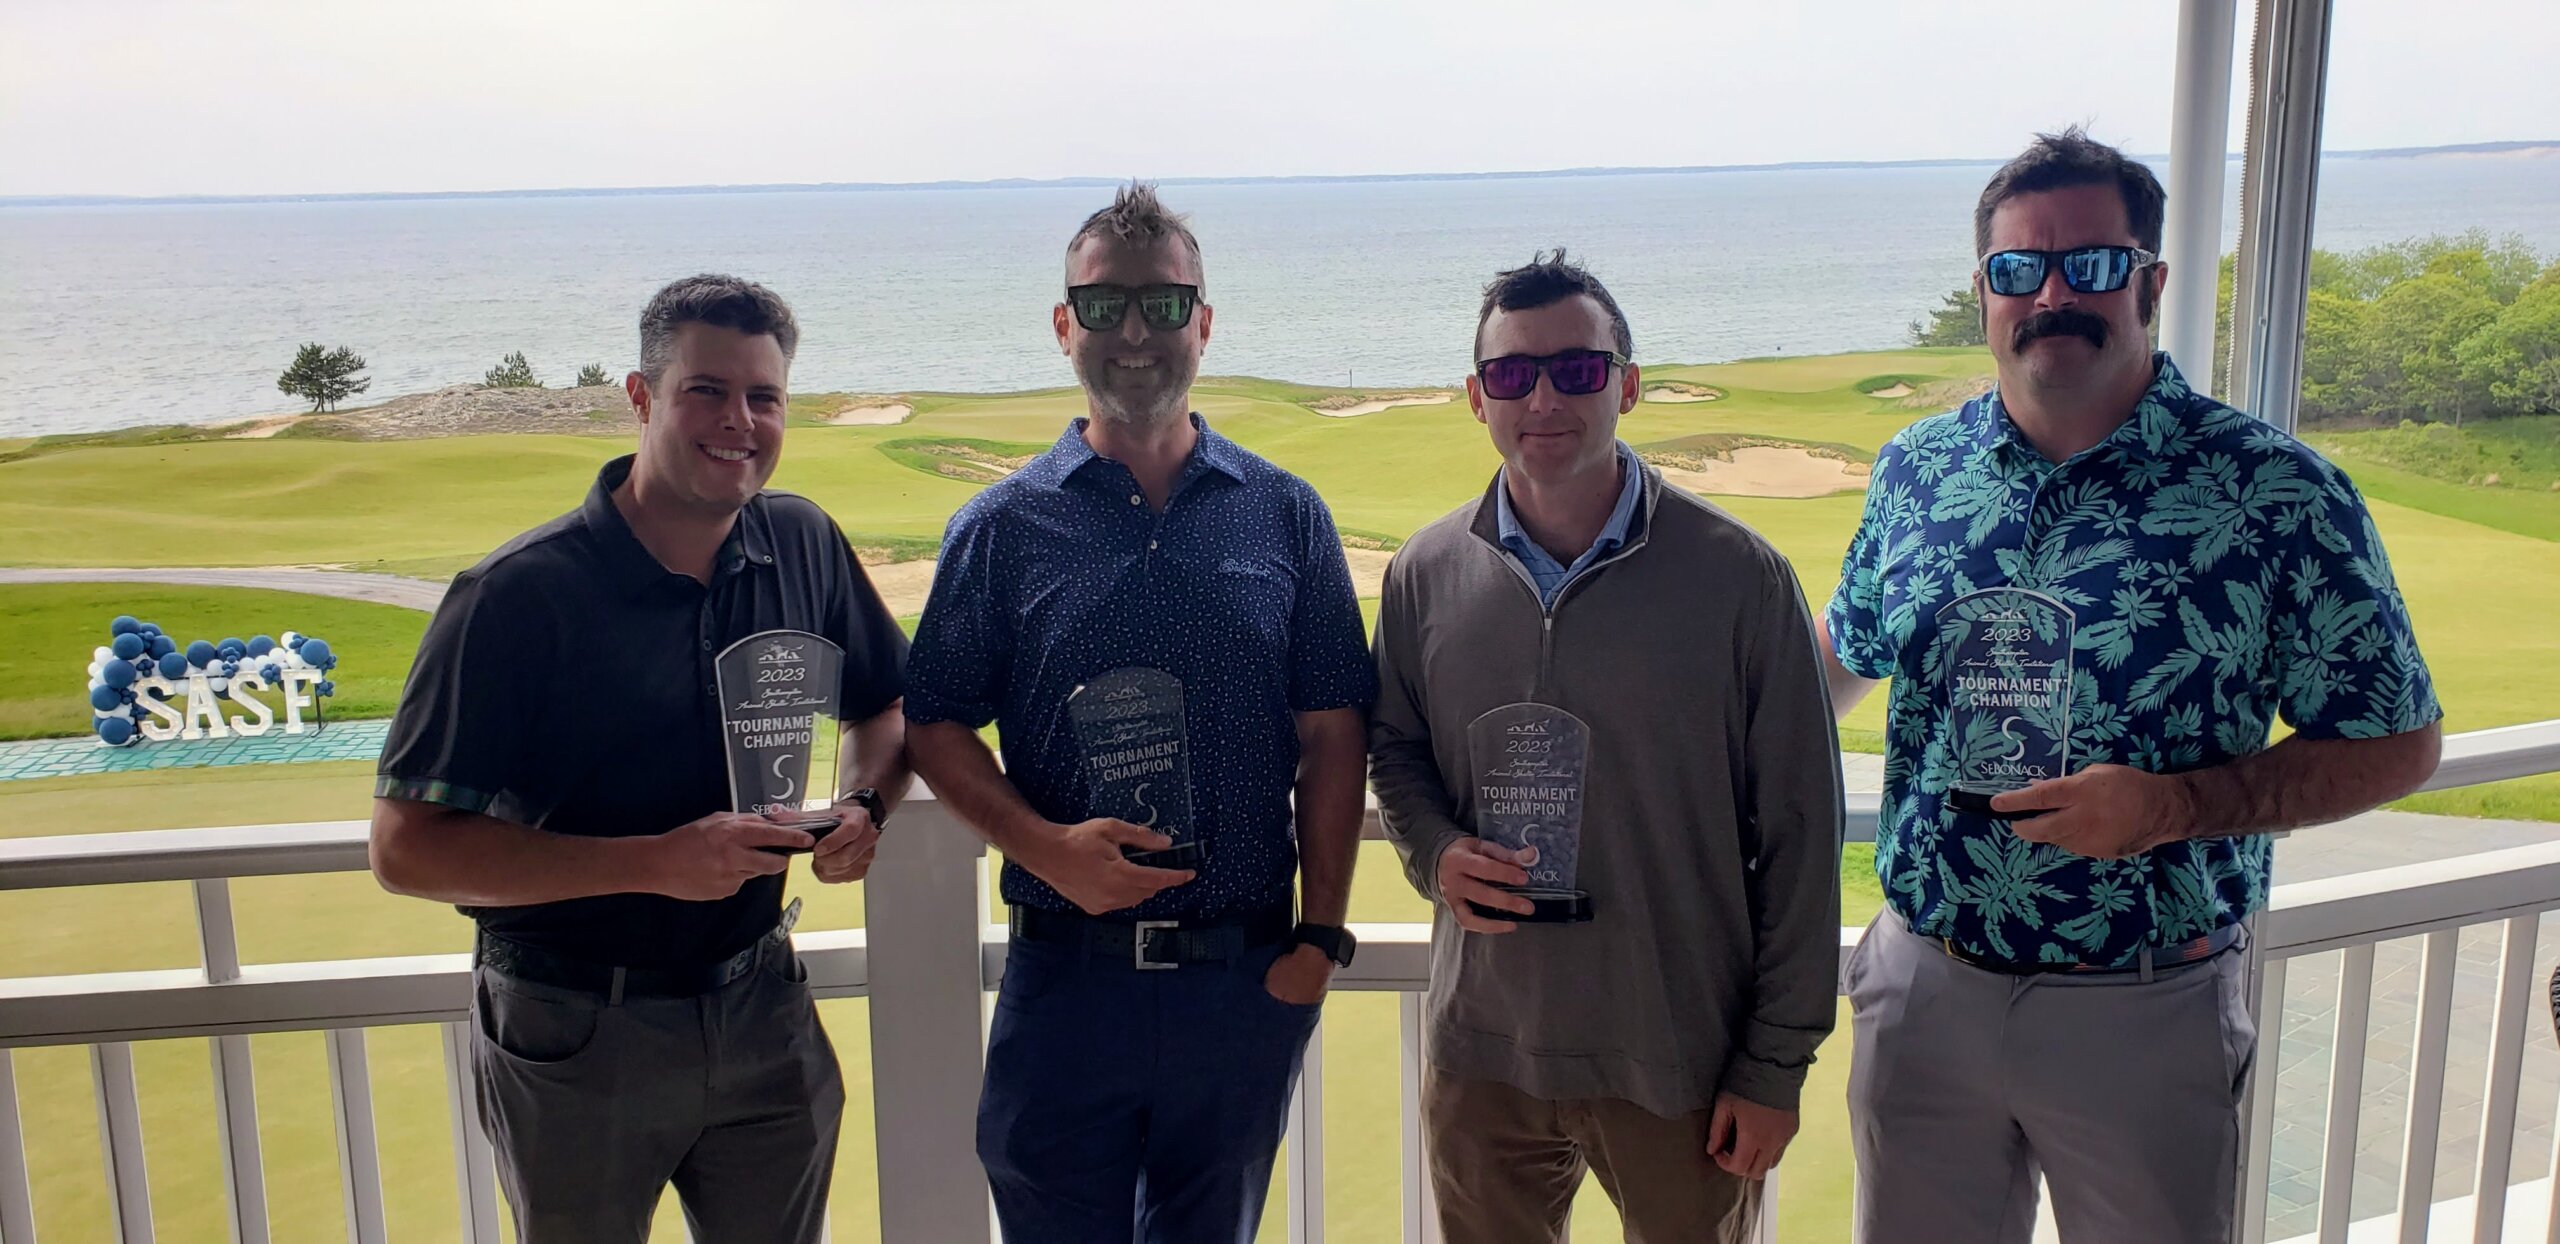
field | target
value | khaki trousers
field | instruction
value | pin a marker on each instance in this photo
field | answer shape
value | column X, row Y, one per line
column 1505, row 1166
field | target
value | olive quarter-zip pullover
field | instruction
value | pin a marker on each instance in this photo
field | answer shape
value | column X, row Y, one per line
column 1711, row 820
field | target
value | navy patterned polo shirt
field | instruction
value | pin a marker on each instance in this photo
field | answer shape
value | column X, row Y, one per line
column 1238, row 588
column 2220, row 572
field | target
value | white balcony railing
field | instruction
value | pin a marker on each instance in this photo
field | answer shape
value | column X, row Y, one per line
column 927, row 959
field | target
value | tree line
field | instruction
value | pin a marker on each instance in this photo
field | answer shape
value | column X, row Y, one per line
column 2436, row 329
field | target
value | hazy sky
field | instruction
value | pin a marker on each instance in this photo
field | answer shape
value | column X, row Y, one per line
column 288, row 96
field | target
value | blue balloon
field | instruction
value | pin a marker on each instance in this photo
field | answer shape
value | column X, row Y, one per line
column 118, row 674
column 162, row 645
column 234, row 648
column 261, row 646
column 201, row 653
column 231, row 669
column 105, row 699
column 173, row 665
column 327, row 687
column 315, row 653
column 129, row 645
column 125, row 624
column 151, row 630
column 271, row 673
column 117, row 731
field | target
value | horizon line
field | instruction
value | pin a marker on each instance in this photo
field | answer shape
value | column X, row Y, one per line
column 1050, row 183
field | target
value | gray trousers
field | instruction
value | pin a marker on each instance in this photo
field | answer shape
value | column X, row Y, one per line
column 2124, row 1094
column 595, row 1106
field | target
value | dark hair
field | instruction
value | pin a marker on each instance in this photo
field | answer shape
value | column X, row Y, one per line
column 2072, row 158
column 720, row 301
column 1136, row 215
column 1546, row 279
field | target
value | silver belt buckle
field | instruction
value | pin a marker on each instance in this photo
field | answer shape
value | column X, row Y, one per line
column 1138, row 944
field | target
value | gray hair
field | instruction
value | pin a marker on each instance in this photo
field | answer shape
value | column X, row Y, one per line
column 720, row 301
column 1136, row 215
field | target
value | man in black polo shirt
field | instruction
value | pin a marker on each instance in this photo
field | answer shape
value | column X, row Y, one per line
column 557, row 770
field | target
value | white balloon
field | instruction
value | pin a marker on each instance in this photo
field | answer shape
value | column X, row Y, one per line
column 94, row 670
column 101, row 653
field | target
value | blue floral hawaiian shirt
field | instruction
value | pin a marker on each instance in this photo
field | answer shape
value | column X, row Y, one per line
column 2218, row 571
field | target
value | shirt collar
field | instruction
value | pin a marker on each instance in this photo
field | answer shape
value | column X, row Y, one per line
column 629, row 565
column 2135, row 439
column 1071, row 454
column 1506, row 521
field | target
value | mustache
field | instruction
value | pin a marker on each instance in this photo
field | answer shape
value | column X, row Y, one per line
column 2059, row 322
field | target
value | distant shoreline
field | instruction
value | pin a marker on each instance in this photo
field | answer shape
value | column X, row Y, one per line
column 1018, row 183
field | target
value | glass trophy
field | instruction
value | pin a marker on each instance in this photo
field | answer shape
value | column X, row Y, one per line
column 2007, row 683
column 1529, row 762
column 1137, row 758
column 778, row 711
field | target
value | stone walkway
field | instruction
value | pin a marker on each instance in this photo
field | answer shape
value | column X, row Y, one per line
column 381, row 589
column 44, row 758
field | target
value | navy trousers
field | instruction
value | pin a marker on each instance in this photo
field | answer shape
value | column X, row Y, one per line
column 1127, row 1106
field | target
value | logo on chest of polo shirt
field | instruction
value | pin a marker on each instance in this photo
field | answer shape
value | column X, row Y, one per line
column 1259, row 570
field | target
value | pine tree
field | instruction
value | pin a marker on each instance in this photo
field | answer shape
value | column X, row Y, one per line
column 512, row 372
column 324, row 377
column 592, row 374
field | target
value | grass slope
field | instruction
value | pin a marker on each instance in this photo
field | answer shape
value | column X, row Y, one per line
column 53, row 626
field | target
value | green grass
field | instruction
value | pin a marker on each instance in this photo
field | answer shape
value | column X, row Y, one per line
column 52, row 628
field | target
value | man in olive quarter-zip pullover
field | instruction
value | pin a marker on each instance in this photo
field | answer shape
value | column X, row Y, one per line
column 1662, row 1038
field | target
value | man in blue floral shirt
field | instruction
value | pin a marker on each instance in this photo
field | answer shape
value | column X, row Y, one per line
column 2054, row 986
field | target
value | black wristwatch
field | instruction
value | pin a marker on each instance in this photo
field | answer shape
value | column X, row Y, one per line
column 1336, row 942
column 872, row 803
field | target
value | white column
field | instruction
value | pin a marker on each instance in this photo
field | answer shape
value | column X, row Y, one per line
column 2200, row 120
column 925, row 903
column 2279, row 181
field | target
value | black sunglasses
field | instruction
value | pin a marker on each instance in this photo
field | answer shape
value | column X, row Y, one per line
column 2088, row 270
column 1574, row 373
column 1101, row 308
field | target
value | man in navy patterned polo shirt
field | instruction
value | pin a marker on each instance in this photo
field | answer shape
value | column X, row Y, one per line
column 2053, row 986
column 1149, row 1026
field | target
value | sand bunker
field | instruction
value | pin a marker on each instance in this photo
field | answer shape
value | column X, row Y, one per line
column 903, row 586
column 1771, row 471
column 1678, row 393
column 1891, row 391
column 1376, row 404
column 873, row 413
column 259, row 429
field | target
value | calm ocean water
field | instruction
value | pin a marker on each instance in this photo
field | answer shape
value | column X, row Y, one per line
column 115, row 316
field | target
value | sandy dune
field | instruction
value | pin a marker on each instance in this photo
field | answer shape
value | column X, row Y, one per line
column 1772, row 471
column 258, row 429
column 1891, row 391
column 1374, row 405
column 873, row 413
column 1678, row 394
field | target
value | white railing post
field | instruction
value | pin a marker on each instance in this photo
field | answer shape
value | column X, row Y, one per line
column 359, row 1163
column 17, row 1206
column 2191, row 243
column 1421, row 1209
column 120, row 1141
column 2258, row 1126
column 925, row 905
column 475, row 1171
column 235, row 1091
column 2346, row 1092
column 2426, row 1084
column 2516, row 1006
column 1306, row 1146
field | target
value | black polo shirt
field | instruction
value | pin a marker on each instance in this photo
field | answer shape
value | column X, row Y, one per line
column 566, row 684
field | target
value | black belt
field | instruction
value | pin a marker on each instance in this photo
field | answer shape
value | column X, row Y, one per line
column 1154, row 945
column 2180, row 955
column 542, row 967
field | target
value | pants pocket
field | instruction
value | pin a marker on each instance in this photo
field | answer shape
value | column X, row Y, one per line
column 532, row 1027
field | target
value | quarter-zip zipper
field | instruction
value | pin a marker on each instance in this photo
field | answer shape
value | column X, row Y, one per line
column 1546, row 611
